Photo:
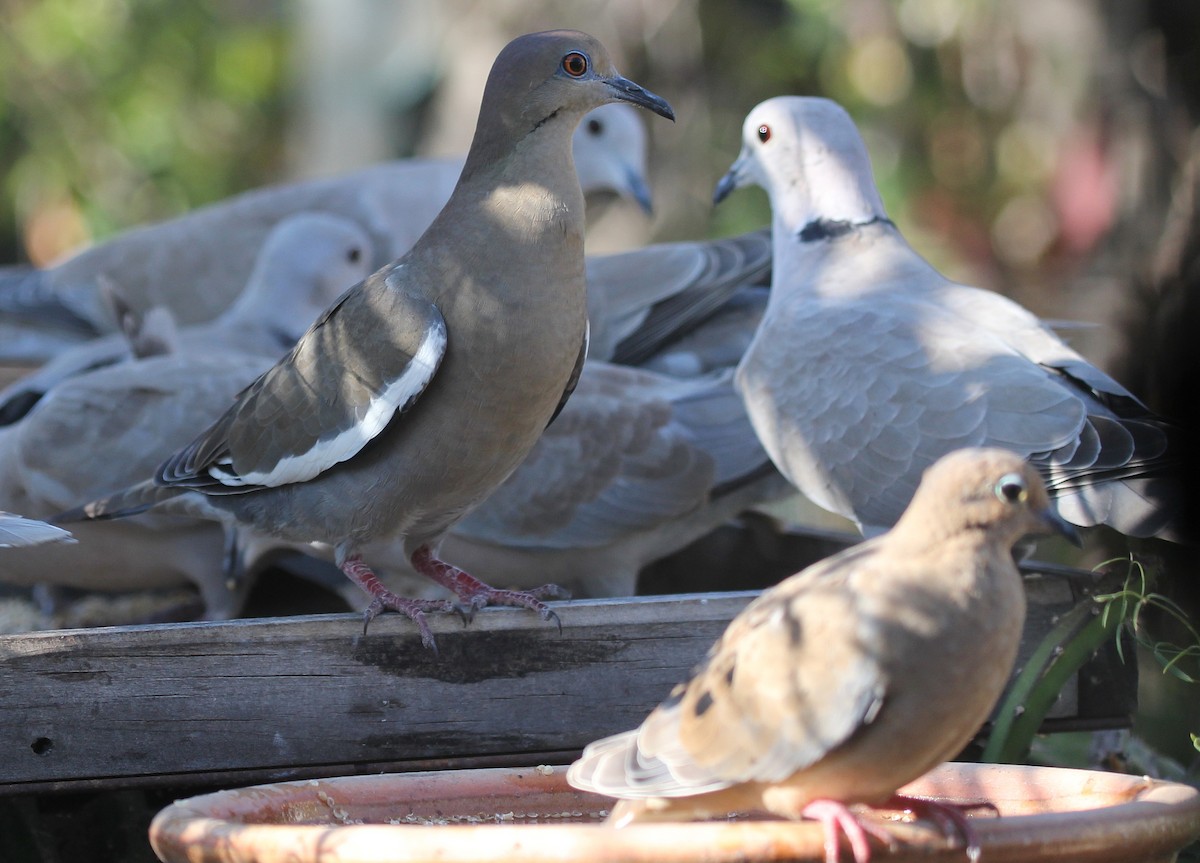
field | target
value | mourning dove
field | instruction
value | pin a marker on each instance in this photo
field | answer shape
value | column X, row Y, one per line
column 424, row 386
column 112, row 426
column 869, row 365
column 306, row 262
column 851, row 678
column 635, row 467
column 196, row 264
column 17, row 531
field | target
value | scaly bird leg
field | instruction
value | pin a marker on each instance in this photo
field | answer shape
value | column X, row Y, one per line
column 382, row 598
column 478, row 595
column 835, row 816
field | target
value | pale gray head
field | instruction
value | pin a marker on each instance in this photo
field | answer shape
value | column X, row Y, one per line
column 808, row 155
column 983, row 488
column 307, row 261
column 552, row 77
column 610, row 153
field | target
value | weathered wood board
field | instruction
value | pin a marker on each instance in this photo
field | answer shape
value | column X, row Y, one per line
column 274, row 698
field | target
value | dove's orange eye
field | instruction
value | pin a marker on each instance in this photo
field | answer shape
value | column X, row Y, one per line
column 575, row 64
column 764, row 133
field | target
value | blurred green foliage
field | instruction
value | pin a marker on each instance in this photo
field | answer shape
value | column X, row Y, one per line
column 116, row 112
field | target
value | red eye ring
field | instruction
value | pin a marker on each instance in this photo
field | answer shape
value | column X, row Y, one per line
column 575, row 64
column 764, row 133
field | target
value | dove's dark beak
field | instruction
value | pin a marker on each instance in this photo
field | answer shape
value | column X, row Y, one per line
column 1055, row 523
column 635, row 94
column 733, row 179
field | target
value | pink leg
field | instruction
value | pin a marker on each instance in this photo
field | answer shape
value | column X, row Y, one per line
column 835, row 816
column 951, row 817
column 382, row 599
column 478, row 595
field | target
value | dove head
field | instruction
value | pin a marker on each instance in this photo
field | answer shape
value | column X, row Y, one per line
column 545, row 80
column 610, row 152
column 307, row 261
column 807, row 154
column 983, row 488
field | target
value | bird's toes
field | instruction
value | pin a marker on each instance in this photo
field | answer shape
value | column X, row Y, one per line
column 530, row 599
column 951, row 817
column 413, row 609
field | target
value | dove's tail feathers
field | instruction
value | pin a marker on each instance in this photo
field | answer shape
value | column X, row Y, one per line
column 17, row 532
column 134, row 500
column 1124, row 473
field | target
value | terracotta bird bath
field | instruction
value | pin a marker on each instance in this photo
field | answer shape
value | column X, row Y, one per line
column 532, row 815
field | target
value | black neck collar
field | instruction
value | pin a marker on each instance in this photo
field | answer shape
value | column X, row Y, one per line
column 829, row 229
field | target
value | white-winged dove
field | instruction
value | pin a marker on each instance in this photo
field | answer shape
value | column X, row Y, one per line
column 635, row 467
column 869, row 364
column 853, row 677
column 110, row 427
column 306, row 262
column 17, row 531
column 196, row 264
column 425, row 385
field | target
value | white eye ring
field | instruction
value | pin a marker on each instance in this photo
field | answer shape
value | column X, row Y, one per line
column 1011, row 488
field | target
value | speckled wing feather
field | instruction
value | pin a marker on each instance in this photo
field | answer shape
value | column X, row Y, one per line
column 775, row 694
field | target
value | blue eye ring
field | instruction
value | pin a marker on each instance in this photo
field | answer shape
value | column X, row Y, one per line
column 575, row 64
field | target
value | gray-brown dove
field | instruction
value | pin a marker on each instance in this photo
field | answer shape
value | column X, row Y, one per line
column 851, row 678
column 306, row 262
column 869, row 364
column 197, row 263
column 17, row 531
column 112, row 426
column 635, row 467
column 424, row 386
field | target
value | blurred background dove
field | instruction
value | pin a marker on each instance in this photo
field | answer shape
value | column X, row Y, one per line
column 196, row 264
column 103, row 429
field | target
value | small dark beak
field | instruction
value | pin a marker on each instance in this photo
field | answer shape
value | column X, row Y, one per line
column 1055, row 523
column 627, row 91
column 725, row 185
column 640, row 191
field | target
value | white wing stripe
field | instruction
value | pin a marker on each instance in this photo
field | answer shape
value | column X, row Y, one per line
column 301, row 467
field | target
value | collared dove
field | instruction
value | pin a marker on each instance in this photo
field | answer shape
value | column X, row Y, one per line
column 104, row 430
column 869, row 364
column 638, row 302
column 17, row 531
column 424, row 386
column 110, row 427
column 195, row 264
column 635, row 467
column 853, row 677
column 305, row 263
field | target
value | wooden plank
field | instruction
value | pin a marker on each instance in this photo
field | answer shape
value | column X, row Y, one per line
column 282, row 696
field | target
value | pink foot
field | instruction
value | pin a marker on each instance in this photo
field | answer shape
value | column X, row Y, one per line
column 383, row 599
column 951, row 817
column 835, row 817
column 478, row 595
